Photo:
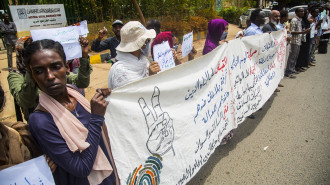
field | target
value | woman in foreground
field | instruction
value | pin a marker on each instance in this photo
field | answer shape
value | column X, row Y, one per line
column 67, row 128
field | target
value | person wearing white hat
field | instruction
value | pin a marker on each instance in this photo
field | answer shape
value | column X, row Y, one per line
column 132, row 63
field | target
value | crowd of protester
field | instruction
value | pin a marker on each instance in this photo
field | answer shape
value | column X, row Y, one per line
column 68, row 129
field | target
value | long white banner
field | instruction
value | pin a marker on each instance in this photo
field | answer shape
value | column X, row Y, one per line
column 164, row 128
column 32, row 17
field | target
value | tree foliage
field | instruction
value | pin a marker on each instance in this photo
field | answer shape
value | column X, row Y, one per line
column 107, row 10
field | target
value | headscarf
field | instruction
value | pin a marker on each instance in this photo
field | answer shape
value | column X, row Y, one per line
column 215, row 29
column 160, row 38
column 75, row 133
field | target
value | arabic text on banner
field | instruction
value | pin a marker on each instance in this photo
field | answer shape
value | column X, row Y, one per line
column 164, row 128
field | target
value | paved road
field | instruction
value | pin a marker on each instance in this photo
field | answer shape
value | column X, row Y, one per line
column 294, row 124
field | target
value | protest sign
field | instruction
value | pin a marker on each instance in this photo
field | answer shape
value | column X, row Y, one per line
column 164, row 56
column 187, row 44
column 164, row 128
column 312, row 33
column 34, row 171
column 82, row 28
column 30, row 17
column 67, row 36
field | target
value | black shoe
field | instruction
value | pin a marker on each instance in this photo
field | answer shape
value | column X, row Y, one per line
column 251, row 116
column 291, row 76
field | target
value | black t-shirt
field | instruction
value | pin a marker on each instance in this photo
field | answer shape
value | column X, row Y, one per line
column 268, row 27
column 109, row 43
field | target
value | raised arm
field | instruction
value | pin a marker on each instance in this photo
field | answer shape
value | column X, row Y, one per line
column 82, row 79
column 98, row 45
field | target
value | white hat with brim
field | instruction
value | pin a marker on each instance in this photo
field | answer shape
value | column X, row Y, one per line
column 133, row 36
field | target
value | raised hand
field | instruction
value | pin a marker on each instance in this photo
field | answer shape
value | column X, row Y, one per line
column 84, row 46
column 160, row 126
column 102, row 33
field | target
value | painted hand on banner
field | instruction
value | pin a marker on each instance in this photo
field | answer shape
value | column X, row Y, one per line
column 160, row 126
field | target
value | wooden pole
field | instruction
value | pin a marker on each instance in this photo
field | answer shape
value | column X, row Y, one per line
column 143, row 21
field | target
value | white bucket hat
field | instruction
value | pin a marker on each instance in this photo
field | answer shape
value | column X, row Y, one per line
column 133, row 36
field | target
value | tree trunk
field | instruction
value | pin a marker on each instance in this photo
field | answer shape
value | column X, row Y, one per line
column 140, row 12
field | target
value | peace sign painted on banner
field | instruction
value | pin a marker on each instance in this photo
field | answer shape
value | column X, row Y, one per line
column 160, row 126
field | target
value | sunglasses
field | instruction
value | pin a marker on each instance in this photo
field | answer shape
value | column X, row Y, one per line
column 147, row 41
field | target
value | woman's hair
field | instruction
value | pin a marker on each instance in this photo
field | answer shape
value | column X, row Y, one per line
column 40, row 45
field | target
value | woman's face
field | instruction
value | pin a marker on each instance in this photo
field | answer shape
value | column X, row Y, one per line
column 226, row 28
column 49, row 71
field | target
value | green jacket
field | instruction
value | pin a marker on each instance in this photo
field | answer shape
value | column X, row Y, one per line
column 26, row 93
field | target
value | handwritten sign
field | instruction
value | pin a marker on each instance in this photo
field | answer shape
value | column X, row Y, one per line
column 312, row 33
column 67, row 36
column 323, row 14
column 164, row 56
column 30, row 17
column 34, row 171
column 325, row 24
column 187, row 44
column 82, row 28
column 175, row 120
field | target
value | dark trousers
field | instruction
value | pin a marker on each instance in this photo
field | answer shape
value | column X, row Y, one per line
column 292, row 60
column 10, row 55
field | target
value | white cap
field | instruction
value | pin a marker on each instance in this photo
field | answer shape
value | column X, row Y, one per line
column 117, row 22
column 133, row 36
